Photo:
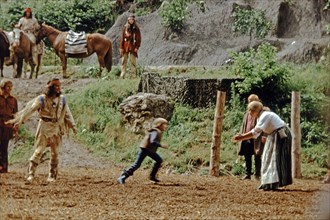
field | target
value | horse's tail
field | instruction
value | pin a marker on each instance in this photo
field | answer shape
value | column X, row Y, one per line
column 108, row 57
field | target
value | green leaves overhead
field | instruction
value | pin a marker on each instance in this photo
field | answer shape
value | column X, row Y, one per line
column 83, row 15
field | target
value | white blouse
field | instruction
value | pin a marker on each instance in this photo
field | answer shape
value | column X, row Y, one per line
column 267, row 122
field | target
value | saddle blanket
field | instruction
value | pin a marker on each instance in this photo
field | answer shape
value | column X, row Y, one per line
column 75, row 42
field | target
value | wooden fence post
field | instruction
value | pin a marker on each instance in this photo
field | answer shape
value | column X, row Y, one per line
column 217, row 130
column 296, row 135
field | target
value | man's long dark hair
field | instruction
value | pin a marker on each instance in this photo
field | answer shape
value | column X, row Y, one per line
column 24, row 14
column 50, row 89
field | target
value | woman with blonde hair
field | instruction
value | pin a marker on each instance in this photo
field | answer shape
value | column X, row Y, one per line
column 276, row 158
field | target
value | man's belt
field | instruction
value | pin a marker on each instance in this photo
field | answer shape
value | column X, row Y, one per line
column 48, row 119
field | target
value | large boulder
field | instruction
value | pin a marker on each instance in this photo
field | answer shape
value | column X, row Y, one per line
column 139, row 110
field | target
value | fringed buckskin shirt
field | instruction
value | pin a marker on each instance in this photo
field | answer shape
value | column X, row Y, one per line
column 55, row 115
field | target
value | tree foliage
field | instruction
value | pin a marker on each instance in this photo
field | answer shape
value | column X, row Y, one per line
column 78, row 15
column 175, row 13
column 262, row 75
column 250, row 22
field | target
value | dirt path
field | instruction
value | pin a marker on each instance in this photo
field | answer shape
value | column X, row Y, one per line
column 86, row 188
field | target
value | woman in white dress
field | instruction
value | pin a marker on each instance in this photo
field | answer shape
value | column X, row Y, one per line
column 276, row 158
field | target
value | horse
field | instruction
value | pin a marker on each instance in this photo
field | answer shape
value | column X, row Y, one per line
column 41, row 50
column 96, row 43
column 21, row 50
column 4, row 49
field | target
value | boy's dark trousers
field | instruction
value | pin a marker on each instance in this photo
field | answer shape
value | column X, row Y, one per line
column 143, row 153
column 248, row 153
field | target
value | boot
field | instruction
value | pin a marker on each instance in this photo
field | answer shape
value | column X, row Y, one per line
column 52, row 173
column 121, row 179
column 123, row 176
column 31, row 171
column 154, row 179
column 246, row 177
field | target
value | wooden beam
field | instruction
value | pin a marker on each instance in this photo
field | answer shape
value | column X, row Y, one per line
column 296, row 135
column 217, row 130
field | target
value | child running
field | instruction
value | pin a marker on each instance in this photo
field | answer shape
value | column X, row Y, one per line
column 148, row 147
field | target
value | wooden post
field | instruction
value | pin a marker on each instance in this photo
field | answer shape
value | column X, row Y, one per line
column 217, row 130
column 296, row 135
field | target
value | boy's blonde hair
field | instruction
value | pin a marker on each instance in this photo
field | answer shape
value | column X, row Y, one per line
column 158, row 122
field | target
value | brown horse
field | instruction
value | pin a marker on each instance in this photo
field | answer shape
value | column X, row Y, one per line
column 4, row 49
column 96, row 43
column 41, row 50
column 21, row 49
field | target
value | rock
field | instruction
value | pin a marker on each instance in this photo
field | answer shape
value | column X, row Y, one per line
column 193, row 92
column 139, row 110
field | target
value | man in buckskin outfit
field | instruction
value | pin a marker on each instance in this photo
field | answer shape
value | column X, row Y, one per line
column 29, row 25
column 8, row 107
column 55, row 120
column 129, row 45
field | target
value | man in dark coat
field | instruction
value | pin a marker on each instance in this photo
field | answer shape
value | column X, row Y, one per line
column 8, row 107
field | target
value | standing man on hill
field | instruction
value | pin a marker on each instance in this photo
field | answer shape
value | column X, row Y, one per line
column 55, row 120
column 8, row 107
column 129, row 45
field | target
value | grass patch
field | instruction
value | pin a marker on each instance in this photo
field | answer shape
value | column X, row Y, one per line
column 23, row 147
column 189, row 135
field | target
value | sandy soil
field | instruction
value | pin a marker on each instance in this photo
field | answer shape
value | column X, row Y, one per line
column 86, row 188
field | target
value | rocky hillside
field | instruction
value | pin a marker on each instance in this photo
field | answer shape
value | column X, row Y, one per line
column 298, row 33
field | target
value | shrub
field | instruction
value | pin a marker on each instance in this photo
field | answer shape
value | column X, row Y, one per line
column 175, row 13
column 262, row 75
column 251, row 22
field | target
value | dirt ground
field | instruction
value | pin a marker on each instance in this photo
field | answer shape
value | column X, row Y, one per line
column 86, row 188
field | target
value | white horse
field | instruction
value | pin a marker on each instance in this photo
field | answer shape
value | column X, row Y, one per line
column 20, row 54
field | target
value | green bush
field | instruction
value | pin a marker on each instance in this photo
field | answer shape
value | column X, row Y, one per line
column 250, row 22
column 175, row 13
column 262, row 75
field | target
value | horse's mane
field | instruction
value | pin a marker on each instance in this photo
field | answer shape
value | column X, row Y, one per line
column 51, row 29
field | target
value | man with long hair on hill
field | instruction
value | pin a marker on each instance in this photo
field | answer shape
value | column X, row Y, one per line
column 55, row 120
column 129, row 45
column 8, row 107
